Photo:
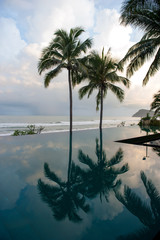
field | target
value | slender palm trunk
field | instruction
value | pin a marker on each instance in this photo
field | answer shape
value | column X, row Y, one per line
column 70, row 98
column 70, row 129
column 70, row 160
column 101, row 110
column 101, row 143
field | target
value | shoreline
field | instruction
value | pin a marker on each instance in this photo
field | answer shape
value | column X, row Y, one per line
column 67, row 130
column 60, row 124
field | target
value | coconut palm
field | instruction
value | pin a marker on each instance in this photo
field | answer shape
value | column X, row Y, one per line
column 148, row 215
column 144, row 14
column 102, row 76
column 64, row 52
column 155, row 105
column 100, row 176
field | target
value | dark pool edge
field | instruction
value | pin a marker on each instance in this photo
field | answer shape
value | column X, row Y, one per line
column 142, row 140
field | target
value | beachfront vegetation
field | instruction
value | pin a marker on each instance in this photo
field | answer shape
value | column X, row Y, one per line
column 155, row 105
column 153, row 121
column 64, row 52
column 102, row 76
column 144, row 14
column 31, row 129
column 149, row 121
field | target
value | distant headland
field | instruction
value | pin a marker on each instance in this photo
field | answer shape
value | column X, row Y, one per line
column 143, row 113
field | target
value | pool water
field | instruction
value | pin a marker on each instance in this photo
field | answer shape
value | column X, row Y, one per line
column 79, row 187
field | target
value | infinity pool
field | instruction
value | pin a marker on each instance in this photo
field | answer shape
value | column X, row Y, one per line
column 54, row 186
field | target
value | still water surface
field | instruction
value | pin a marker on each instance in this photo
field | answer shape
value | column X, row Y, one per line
column 79, row 188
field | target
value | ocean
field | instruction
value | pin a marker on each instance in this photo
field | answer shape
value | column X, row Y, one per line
column 8, row 124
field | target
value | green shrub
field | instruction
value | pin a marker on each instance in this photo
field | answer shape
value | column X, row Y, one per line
column 155, row 122
column 144, row 119
column 31, row 129
column 147, row 117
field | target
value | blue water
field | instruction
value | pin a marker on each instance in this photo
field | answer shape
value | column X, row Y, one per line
column 28, row 212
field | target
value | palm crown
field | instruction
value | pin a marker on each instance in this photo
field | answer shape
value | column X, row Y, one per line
column 102, row 76
column 64, row 52
column 146, row 15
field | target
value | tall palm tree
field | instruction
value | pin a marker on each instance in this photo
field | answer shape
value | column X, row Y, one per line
column 102, row 76
column 149, row 215
column 155, row 105
column 101, row 175
column 64, row 52
column 144, row 14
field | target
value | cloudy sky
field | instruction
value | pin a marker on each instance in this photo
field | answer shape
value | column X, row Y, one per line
column 26, row 26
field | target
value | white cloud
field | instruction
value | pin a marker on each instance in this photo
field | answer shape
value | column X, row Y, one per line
column 51, row 15
column 10, row 41
column 109, row 33
column 20, row 4
column 36, row 23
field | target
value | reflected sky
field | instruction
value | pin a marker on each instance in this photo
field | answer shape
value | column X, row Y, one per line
column 23, row 213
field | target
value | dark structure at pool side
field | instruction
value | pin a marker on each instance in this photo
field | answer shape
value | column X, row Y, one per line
column 149, row 140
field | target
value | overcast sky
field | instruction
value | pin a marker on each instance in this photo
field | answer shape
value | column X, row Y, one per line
column 26, row 26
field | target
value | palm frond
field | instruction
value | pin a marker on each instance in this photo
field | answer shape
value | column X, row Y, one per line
column 153, row 194
column 81, row 202
column 140, row 52
column 48, row 193
column 76, row 32
column 51, row 175
column 155, row 105
column 139, row 60
column 60, row 34
column 136, row 206
column 145, row 15
column 45, row 64
column 120, row 170
column 86, row 89
column 83, row 158
column 131, row 8
column 117, row 158
column 82, row 47
column 126, row 82
column 154, row 67
column 118, row 92
column 50, row 75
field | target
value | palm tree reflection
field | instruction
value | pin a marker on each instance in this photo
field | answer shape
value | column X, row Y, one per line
column 64, row 199
column 148, row 215
column 101, row 176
